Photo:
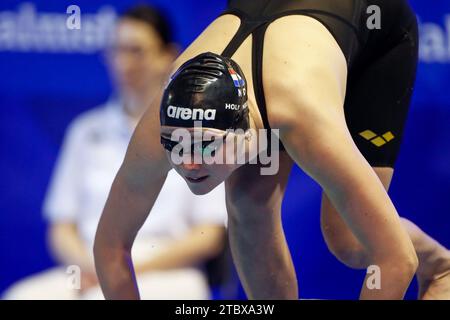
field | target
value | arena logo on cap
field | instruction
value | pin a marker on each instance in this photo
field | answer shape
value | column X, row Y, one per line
column 191, row 114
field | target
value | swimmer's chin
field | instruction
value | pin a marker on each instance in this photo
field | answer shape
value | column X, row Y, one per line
column 203, row 188
column 199, row 190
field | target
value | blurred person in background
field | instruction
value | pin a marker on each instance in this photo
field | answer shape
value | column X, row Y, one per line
column 185, row 230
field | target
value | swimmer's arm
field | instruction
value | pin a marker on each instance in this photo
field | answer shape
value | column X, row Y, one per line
column 130, row 200
column 319, row 142
column 325, row 150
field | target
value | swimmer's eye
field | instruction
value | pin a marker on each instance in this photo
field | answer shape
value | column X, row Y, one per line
column 205, row 147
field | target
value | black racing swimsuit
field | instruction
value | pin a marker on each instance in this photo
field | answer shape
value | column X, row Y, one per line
column 381, row 62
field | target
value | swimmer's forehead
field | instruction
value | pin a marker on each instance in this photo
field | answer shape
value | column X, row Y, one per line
column 167, row 131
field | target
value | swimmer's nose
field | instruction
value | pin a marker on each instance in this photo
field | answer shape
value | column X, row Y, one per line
column 191, row 166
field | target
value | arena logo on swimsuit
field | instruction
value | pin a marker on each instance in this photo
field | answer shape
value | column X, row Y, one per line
column 191, row 114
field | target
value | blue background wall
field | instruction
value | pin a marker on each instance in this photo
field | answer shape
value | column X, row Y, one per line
column 43, row 88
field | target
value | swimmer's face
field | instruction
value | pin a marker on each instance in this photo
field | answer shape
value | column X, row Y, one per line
column 200, row 166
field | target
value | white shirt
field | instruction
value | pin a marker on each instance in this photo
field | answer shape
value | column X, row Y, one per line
column 92, row 153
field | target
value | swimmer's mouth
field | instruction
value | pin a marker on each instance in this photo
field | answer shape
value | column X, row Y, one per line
column 196, row 180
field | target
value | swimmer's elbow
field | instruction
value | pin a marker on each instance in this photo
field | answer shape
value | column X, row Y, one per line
column 107, row 241
column 108, row 251
column 313, row 135
column 111, row 232
column 310, row 97
column 325, row 150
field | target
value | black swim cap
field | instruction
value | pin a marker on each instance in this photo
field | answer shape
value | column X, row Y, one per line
column 208, row 88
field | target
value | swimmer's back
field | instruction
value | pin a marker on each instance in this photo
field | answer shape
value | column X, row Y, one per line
column 381, row 62
column 347, row 21
column 379, row 40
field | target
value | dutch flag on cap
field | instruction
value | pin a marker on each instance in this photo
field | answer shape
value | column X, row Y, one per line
column 238, row 81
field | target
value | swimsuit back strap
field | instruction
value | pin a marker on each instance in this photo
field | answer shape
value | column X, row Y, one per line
column 257, row 71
